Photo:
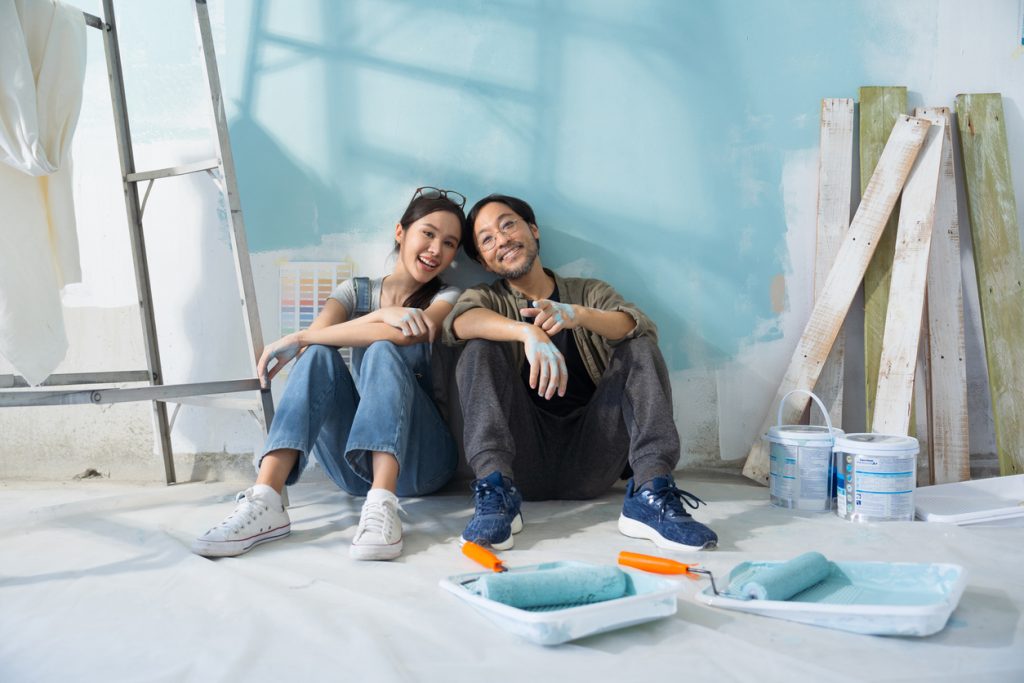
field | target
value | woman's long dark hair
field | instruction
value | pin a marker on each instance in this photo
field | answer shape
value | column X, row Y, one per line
column 419, row 207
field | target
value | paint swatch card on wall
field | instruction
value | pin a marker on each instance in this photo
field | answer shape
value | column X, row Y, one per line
column 304, row 288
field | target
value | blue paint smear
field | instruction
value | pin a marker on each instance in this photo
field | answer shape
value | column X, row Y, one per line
column 649, row 136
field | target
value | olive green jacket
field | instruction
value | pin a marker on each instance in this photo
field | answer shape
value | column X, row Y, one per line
column 594, row 349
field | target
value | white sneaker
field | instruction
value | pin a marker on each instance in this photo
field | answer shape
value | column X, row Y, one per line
column 257, row 518
column 379, row 536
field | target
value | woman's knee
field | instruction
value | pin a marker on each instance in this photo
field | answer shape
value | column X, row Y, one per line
column 413, row 358
column 386, row 351
column 382, row 347
column 319, row 354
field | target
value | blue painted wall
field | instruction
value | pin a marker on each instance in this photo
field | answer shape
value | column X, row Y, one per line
column 649, row 136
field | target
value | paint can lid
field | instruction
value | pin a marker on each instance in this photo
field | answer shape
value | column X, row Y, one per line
column 877, row 444
column 811, row 435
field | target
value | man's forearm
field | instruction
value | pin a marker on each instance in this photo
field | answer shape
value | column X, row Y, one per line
column 482, row 323
column 612, row 325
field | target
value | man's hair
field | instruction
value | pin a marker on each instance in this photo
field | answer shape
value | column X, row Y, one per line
column 524, row 210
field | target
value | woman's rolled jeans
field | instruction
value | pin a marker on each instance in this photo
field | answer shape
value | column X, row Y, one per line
column 388, row 407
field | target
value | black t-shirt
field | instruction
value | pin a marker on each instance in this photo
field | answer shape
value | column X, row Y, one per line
column 580, row 387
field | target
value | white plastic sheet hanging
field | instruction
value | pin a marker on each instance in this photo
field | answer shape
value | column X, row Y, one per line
column 42, row 71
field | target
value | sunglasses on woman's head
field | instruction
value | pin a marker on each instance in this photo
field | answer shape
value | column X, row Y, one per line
column 438, row 193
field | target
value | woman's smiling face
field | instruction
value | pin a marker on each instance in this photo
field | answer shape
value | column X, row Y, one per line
column 429, row 245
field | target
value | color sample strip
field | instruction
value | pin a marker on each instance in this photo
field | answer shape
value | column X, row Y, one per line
column 907, row 290
column 852, row 260
column 304, row 288
column 999, row 263
column 945, row 306
column 879, row 109
column 835, row 178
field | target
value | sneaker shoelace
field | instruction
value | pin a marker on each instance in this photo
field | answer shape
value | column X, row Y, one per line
column 247, row 508
column 490, row 499
column 670, row 499
column 375, row 518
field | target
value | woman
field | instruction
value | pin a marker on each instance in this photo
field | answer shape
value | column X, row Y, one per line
column 376, row 431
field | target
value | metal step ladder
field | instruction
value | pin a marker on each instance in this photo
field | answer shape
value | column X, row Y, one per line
column 221, row 394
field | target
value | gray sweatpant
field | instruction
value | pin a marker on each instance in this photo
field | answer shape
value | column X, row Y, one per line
column 579, row 456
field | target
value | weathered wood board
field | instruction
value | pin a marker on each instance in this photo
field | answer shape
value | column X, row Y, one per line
column 835, row 179
column 880, row 106
column 902, row 334
column 999, row 263
column 830, row 309
column 945, row 307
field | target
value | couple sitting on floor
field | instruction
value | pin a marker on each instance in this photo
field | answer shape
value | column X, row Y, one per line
column 562, row 387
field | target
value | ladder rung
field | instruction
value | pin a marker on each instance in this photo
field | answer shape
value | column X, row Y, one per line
column 160, row 392
column 9, row 381
column 95, row 22
column 226, row 401
column 184, row 169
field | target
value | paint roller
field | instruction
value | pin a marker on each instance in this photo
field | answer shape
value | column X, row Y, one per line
column 779, row 581
column 556, row 587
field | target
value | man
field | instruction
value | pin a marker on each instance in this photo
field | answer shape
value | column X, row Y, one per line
column 563, row 390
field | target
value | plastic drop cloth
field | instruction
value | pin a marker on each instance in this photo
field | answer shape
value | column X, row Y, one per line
column 97, row 583
column 42, row 71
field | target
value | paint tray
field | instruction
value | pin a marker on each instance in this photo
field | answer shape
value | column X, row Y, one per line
column 996, row 501
column 647, row 598
column 876, row 598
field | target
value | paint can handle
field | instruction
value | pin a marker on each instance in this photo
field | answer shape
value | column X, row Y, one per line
column 821, row 407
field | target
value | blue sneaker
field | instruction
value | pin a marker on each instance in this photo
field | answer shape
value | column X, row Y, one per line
column 497, row 514
column 656, row 512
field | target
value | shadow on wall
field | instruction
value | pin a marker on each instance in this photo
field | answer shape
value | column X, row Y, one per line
column 650, row 142
column 285, row 206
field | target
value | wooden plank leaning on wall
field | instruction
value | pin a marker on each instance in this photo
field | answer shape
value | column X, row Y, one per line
column 830, row 309
column 945, row 307
column 999, row 263
column 880, row 107
column 902, row 337
column 835, row 178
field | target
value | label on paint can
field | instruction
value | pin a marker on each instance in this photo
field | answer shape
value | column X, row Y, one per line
column 799, row 460
column 875, row 477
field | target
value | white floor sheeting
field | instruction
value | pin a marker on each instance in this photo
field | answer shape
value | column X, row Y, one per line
column 97, row 584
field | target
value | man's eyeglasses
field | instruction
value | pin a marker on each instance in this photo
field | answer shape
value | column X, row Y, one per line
column 438, row 193
column 507, row 227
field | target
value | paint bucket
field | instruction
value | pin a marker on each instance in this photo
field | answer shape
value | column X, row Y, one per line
column 875, row 476
column 800, row 461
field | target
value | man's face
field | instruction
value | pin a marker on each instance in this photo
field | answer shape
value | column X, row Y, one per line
column 507, row 243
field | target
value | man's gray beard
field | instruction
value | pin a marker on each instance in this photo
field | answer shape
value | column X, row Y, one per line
column 524, row 269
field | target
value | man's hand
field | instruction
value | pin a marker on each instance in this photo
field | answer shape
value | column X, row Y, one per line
column 552, row 316
column 409, row 321
column 547, row 365
column 282, row 351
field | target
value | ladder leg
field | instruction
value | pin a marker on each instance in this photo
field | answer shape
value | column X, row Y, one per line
column 163, row 429
column 239, row 242
column 138, row 241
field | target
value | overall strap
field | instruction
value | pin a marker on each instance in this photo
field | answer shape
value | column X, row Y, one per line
column 362, row 285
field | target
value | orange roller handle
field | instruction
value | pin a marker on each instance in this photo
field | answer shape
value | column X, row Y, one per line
column 650, row 563
column 480, row 554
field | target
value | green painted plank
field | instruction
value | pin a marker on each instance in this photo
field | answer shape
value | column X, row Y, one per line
column 999, row 262
column 880, row 106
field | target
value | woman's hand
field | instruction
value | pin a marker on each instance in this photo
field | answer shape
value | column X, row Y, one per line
column 409, row 321
column 282, row 352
